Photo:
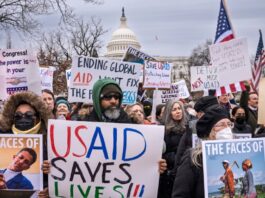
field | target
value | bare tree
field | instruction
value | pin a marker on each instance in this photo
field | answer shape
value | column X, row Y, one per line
column 21, row 15
column 85, row 37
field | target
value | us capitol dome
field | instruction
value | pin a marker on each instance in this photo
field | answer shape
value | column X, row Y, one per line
column 121, row 39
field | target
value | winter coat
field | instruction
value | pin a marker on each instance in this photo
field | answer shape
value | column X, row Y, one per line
column 189, row 181
column 242, row 128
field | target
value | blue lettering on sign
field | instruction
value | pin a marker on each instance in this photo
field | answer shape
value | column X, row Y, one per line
column 125, row 134
column 129, row 97
column 98, row 134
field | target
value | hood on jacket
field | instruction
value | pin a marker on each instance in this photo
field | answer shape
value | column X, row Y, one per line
column 15, row 100
column 97, row 89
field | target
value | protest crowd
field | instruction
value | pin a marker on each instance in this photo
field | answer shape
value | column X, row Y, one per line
column 184, row 125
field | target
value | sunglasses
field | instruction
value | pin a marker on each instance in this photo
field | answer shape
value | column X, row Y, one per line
column 29, row 114
column 110, row 96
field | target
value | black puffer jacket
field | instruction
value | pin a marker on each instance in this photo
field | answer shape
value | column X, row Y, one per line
column 189, row 181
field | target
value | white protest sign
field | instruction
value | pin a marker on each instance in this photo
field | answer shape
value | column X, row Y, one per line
column 204, row 77
column 30, row 147
column 178, row 90
column 261, row 109
column 46, row 74
column 90, row 159
column 232, row 60
column 235, row 152
column 19, row 71
column 157, row 75
column 86, row 71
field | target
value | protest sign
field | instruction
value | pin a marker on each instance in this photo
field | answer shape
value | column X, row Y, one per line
column 178, row 90
column 232, row 60
column 68, row 75
column 86, row 71
column 157, row 75
column 204, row 77
column 12, row 155
column 136, row 56
column 196, row 140
column 234, row 152
column 19, row 71
column 90, row 159
column 261, row 109
column 46, row 74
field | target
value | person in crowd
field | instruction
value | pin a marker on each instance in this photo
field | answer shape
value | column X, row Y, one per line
column 26, row 113
column 62, row 108
column 75, row 107
column 213, row 125
column 147, row 106
column 203, row 105
column 239, row 118
column 249, row 190
column 249, row 101
column 224, row 100
column 159, row 113
column 12, row 177
column 228, row 180
column 175, row 121
column 136, row 113
column 84, row 111
column 107, row 100
column 48, row 98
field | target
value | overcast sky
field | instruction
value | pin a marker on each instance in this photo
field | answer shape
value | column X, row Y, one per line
column 179, row 25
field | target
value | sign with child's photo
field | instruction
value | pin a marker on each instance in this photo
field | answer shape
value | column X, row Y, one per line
column 20, row 164
column 234, row 168
column 91, row 159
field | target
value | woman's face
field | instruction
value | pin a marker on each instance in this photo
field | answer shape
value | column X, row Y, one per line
column 48, row 99
column 176, row 112
column 220, row 125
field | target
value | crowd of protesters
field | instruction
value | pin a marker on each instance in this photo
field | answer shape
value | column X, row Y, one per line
column 180, row 167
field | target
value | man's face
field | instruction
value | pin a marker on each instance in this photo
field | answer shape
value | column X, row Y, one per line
column 225, row 165
column 22, row 161
column 110, row 101
column 223, row 99
column 253, row 100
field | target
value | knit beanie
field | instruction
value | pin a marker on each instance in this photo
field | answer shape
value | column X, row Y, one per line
column 110, row 88
column 62, row 100
column 205, row 102
column 208, row 120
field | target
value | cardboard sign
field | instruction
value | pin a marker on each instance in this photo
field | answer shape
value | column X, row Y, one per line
column 46, row 75
column 235, row 152
column 261, row 109
column 204, row 78
column 91, row 159
column 19, row 71
column 232, row 60
column 157, row 75
column 86, row 71
column 11, row 152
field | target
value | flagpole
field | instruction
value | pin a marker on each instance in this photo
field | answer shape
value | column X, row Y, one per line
column 228, row 16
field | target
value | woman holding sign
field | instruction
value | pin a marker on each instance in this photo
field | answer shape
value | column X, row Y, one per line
column 213, row 125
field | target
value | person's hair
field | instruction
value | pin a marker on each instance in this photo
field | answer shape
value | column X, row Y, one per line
column 128, row 108
column 251, row 93
column 234, row 110
column 31, row 152
column 196, row 155
column 48, row 92
column 167, row 118
column 159, row 109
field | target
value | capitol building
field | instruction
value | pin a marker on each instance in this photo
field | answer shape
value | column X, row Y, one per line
column 124, row 37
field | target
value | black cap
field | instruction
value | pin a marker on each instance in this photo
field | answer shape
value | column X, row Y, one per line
column 204, row 103
column 208, row 120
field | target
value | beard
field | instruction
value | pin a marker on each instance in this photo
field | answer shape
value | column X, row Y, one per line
column 112, row 112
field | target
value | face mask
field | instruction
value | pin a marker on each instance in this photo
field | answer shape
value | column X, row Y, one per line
column 224, row 134
column 240, row 119
column 24, row 124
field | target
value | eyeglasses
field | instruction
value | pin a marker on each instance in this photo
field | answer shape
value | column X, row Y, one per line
column 224, row 125
column 29, row 114
column 110, row 96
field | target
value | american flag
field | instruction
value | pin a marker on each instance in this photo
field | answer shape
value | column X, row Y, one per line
column 224, row 33
column 259, row 63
